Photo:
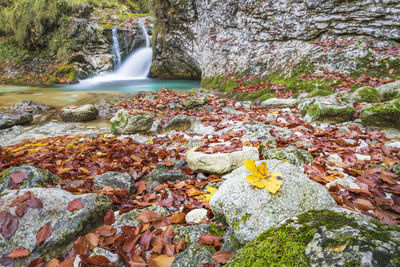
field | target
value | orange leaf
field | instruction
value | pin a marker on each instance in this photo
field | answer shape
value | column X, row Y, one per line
column 75, row 204
column 148, row 216
column 222, row 256
column 43, row 233
column 164, row 261
column 18, row 253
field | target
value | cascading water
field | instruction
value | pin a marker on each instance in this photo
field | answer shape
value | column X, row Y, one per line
column 115, row 49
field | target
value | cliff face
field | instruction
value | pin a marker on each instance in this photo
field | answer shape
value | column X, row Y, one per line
column 209, row 38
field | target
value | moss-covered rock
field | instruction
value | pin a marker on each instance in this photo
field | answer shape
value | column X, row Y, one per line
column 366, row 94
column 324, row 238
column 383, row 115
column 329, row 113
column 35, row 177
column 125, row 123
column 291, row 154
column 390, row 91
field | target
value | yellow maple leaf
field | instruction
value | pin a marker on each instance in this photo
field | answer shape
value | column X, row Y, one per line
column 261, row 178
column 211, row 190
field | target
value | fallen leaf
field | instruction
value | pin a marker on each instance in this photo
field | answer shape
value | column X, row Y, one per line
column 81, row 246
column 99, row 260
column 18, row 177
column 18, row 253
column 109, row 218
column 261, row 178
column 9, row 225
column 177, row 218
column 43, row 233
column 147, row 216
column 93, row 240
column 222, row 256
column 164, row 261
column 363, row 204
column 53, row 263
column 21, row 199
column 34, row 203
column 75, row 204
column 339, row 248
column 21, row 210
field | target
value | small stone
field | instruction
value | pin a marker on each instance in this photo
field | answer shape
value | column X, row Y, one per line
column 29, row 106
column 79, row 113
column 366, row 94
column 164, row 173
column 389, row 91
column 363, row 157
column 114, row 180
column 194, row 255
column 194, row 102
column 196, row 216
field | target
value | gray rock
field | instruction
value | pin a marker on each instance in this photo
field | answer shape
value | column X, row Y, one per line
column 291, row 154
column 66, row 225
column 106, row 109
column 219, row 163
column 249, row 211
column 231, row 243
column 194, row 256
column 280, row 103
column 114, row 180
column 389, row 91
column 383, row 115
column 336, row 237
column 36, row 178
column 163, row 173
column 192, row 103
column 196, row 216
column 180, row 123
column 191, row 233
column 124, row 123
column 29, row 106
column 79, row 113
column 10, row 120
column 329, row 113
column 243, row 104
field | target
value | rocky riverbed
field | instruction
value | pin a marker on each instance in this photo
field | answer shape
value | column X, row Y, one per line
column 159, row 179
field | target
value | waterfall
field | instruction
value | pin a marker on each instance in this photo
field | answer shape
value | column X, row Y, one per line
column 145, row 35
column 115, row 49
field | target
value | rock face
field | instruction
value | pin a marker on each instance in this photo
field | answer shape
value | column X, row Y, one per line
column 194, row 255
column 384, row 115
column 249, row 211
column 31, row 177
column 125, row 123
column 219, row 163
column 79, row 113
column 218, row 37
column 66, row 225
column 334, row 237
column 9, row 120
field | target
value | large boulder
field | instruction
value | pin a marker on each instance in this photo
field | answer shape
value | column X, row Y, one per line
column 79, row 113
column 280, row 103
column 179, row 122
column 219, row 163
column 249, row 211
column 334, row 237
column 26, row 176
column 383, row 115
column 390, row 91
column 66, row 225
column 10, row 120
column 125, row 123
column 366, row 94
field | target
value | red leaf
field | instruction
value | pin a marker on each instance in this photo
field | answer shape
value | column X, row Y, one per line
column 210, row 239
column 34, row 203
column 75, row 204
column 166, row 202
column 18, row 177
column 21, row 199
column 9, row 226
column 21, row 210
column 177, row 218
column 222, row 256
column 43, row 233
column 18, row 253
column 137, row 261
column 99, row 260
column 109, row 218
column 38, row 262
column 145, row 240
column 148, row 216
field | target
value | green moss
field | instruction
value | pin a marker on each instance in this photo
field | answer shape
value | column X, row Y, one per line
column 216, row 230
column 330, row 113
column 367, row 94
column 384, row 115
column 377, row 68
column 322, row 92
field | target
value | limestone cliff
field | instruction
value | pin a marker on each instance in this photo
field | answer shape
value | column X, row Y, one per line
column 209, row 38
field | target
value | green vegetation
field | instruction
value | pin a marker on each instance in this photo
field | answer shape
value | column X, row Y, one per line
column 385, row 115
column 367, row 94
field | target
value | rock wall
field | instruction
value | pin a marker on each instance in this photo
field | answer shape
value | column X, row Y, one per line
column 208, row 38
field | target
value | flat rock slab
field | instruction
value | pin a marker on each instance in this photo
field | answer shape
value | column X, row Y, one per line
column 79, row 113
column 280, row 103
column 66, row 225
column 250, row 211
column 219, row 163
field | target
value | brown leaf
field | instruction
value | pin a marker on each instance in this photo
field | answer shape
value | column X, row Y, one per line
column 34, row 203
column 43, row 233
column 18, row 253
column 145, row 240
column 21, row 199
column 363, row 204
column 99, row 260
column 177, row 218
column 147, row 216
column 169, row 249
column 181, row 245
column 38, row 262
column 53, row 263
column 222, row 256
column 106, row 230
column 210, row 239
column 109, row 218
column 9, row 226
column 67, row 263
column 137, row 261
column 164, row 261
column 93, row 240
column 18, row 177
column 81, row 245
column 75, row 204
column 388, row 177
column 21, row 210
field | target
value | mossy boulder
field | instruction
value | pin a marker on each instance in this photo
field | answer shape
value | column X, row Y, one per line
column 389, row 91
column 324, row 238
column 383, row 115
column 194, row 102
column 35, row 177
column 329, row 113
column 179, row 123
column 80, row 113
column 66, row 225
column 163, row 173
column 125, row 123
column 366, row 94
column 290, row 154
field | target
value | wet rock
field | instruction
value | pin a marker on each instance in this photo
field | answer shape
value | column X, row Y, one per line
column 196, row 216
column 32, row 177
column 193, row 256
column 179, row 123
column 219, row 163
column 125, row 123
column 163, row 173
column 383, row 115
column 280, row 103
column 66, row 225
column 79, row 113
column 10, row 120
column 366, row 94
column 106, row 109
column 114, row 180
column 29, row 106
column 249, row 211
column 336, row 237
column 389, row 91
column 192, row 103
column 291, row 154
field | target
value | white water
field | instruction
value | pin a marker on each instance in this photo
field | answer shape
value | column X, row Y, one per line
column 115, row 49
column 135, row 67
